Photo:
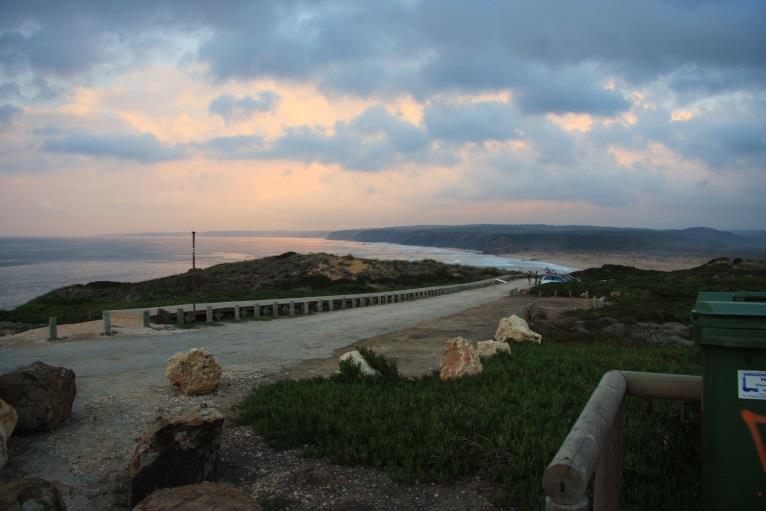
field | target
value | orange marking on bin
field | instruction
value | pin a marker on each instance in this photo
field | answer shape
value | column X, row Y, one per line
column 752, row 420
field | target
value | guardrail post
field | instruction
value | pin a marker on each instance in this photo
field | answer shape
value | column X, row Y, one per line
column 291, row 311
column 209, row 314
column 257, row 311
column 275, row 310
column 52, row 329
column 180, row 316
column 236, row 313
column 107, row 322
column 331, row 304
column 147, row 319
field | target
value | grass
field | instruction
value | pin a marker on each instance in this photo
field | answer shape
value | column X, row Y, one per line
column 503, row 425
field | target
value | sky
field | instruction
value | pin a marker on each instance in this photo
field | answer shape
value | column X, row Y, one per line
column 193, row 115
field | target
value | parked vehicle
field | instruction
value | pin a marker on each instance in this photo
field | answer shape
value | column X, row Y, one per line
column 553, row 279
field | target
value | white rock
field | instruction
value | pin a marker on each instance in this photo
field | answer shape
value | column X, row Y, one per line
column 489, row 349
column 514, row 328
column 360, row 361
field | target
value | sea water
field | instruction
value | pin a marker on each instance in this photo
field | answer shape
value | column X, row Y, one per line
column 32, row 266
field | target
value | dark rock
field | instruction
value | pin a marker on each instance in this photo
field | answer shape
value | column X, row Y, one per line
column 199, row 497
column 616, row 330
column 662, row 333
column 31, row 494
column 41, row 394
column 163, row 316
column 177, row 450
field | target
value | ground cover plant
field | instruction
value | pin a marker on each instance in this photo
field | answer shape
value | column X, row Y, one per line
column 503, row 425
column 284, row 276
column 657, row 296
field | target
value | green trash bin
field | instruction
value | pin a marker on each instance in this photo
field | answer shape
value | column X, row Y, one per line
column 731, row 329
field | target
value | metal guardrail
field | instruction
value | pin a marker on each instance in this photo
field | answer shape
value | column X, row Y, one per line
column 593, row 447
column 286, row 307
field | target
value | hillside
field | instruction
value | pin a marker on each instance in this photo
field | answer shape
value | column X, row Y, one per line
column 515, row 239
column 286, row 275
column 647, row 295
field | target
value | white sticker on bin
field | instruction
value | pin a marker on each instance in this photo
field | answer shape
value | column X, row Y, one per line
column 751, row 384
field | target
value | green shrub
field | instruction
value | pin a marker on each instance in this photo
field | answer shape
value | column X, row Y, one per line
column 386, row 367
column 503, row 425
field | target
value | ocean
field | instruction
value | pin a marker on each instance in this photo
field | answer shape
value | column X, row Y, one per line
column 30, row 267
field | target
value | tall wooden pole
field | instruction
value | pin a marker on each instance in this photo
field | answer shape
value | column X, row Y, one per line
column 194, row 275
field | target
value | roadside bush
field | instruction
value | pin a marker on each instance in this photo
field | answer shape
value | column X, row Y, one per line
column 385, row 366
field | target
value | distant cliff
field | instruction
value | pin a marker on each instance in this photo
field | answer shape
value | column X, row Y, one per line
column 498, row 239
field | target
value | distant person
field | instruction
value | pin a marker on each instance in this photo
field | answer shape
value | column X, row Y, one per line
column 529, row 277
column 537, row 278
column 547, row 271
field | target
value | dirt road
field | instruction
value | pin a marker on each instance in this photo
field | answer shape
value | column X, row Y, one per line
column 121, row 385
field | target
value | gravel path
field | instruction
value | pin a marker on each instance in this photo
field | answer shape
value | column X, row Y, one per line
column 121, row 384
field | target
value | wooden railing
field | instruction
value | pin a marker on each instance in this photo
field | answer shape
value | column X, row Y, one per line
column 594, row 445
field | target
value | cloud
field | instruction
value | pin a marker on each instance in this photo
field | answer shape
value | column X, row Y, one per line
column 8, row 114
column 373, row 140
column 143, row 148
column 9, row 90
column 232, row 109
column 470, row 122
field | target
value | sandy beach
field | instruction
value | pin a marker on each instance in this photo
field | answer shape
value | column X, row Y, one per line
column 583, row 260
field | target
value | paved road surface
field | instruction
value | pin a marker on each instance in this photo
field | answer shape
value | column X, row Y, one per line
column 121, row 386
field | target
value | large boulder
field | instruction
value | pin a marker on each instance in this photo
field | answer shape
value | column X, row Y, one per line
column 514, row 328
column 199, row 497
column 489, row 349
column 8, row 418
column 177, row 450
column 358, row 360
column 41, row 394
column 195, row 371
column 460, row 359
column 31, row 494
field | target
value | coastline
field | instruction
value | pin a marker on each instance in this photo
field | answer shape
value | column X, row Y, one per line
column 584, row 260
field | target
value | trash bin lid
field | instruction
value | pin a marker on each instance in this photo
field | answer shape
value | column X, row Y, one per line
column 731, row 319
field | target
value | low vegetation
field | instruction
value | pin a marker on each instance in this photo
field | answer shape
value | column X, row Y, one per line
column 647, row 295
column 503, row 425
column 286, row 275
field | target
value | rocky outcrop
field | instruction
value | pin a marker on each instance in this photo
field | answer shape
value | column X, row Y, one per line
column 357, row 359
column 460, row 359
column 8, row 418
column 195, row 372
column 178, row 450
column 199, row 497
column 489, row 349
column 41, row 394
column 31, row 494
column 514, row 328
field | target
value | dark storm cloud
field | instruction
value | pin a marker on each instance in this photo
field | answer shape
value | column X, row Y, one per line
column 556, row 54
column 233, row 109
column 143, row 148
